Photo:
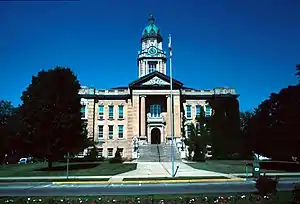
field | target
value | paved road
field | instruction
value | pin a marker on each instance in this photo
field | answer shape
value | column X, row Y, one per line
column 49, row 189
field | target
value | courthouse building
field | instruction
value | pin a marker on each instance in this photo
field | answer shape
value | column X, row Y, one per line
column 139, row 114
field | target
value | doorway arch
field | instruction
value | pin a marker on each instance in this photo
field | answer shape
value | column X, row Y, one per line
column 155, row 136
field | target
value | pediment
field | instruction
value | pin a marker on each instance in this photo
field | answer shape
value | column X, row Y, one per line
column 156, row 81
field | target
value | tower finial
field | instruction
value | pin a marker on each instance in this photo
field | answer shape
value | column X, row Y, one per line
column 151, row 19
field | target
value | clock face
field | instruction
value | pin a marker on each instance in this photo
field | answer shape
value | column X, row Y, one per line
column 152, row 51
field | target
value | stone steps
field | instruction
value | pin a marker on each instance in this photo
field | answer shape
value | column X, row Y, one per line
column 165, row 153
column 148, row 153
column 157, row 153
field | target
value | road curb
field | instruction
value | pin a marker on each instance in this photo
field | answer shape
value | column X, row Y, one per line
column 149, row 181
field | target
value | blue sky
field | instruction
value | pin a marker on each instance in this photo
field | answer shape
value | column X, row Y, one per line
column 252, row 46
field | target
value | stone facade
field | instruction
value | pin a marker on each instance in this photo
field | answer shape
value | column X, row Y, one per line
column 141, row 113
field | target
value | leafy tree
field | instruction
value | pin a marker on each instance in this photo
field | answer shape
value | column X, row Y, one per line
column 245, row 118
column 298, row 71
column 197, row 139
column 244, row 121
column 6, row 110
column 274, row 129
column 225, row 126
column 183, row 125
column 51, row 114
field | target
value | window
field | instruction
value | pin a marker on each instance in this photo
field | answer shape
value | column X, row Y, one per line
column 110, row 152
column 121, row 115
column 152, row 66
column 188, row 111
column 82, row 111
column 188, row 130
column 100, row 152
column 155, row 110
column 207, row 110
column 198, row 110
column 101, row 111
column 120, row 131
column 100, row 130
column 121, row 150
column 110, row 131
column 111, row 112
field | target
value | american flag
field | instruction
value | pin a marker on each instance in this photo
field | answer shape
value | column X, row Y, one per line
column 169, row 45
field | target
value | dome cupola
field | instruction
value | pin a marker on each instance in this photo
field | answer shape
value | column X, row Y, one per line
column 151, row 30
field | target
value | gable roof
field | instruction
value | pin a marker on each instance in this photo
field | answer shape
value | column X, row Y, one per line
column 155, row 79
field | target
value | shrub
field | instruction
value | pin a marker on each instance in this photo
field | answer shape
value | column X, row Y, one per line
column 266, row 185
column 117, row 158
column 296, row 193
column 92, row 156
column 199, row 156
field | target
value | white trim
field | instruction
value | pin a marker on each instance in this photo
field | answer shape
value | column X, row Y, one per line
column 85, row 103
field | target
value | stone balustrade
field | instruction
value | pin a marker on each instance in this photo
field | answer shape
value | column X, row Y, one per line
column 158, row 119
column 91, row 91
column 216, row 91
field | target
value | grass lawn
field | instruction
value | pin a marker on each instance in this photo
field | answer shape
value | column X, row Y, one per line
column 59, row 169
column 284, row 198
column 226, row 166
column 176, row 178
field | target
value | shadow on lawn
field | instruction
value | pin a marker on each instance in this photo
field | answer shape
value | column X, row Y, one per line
column 71, row 167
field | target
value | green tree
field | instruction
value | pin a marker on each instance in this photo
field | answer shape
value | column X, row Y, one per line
column 202, row 136
column 245, row 118
column 197, row 138
column 274, row 129
column 225, row 126
column 183, row 125
column 6, row 110
column 51, row 114
column 298, row 71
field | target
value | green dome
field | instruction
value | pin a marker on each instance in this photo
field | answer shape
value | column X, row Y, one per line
column 151, row 30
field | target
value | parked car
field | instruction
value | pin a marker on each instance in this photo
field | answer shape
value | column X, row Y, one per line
column 25, row 160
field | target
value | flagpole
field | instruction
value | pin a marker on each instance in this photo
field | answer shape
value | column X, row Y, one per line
column 171, row 111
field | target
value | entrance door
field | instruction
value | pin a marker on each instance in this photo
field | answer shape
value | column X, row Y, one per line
column 155, row 136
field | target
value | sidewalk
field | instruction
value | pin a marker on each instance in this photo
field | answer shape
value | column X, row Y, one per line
column 270, row 174
column 129, row 176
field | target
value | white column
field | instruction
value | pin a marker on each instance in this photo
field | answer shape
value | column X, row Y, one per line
column 158, row 66
column 140, row 69
column 143, row 116
column 146, row 68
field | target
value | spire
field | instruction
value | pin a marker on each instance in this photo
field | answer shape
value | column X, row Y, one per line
column 151, row 19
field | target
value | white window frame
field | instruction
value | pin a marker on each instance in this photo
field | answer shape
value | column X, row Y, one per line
column 111, row 138
column 187, row 111
column 84, row 102
column 101, row 118
column 102, row 131
column 198, row 105
column 108, row 152
column 113, row 112
column 205, row 111
column 122, row 132
column 119, row 111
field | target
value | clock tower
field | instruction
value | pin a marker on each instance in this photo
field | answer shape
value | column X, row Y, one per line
column 152, row 57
